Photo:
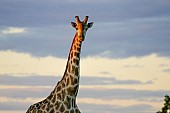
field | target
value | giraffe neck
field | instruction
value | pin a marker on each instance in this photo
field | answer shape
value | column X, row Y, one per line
column 74, row 57
column 71, row 75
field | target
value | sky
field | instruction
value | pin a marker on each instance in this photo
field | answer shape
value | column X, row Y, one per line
column 125, row 58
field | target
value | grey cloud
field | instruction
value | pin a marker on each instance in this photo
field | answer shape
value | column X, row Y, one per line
column 123, row 94
column 32, row 13
column 12, row 106
column 131, row 38
column 166, row 70
column 29, row 80
column 104, row 72
column 85, row 108
column 22, row 93
column 40, row 42
column 92, row 108
column 43, row 91
column 121, row 28
column 116, row 40
column 163, row 65
column 110, row 81
column 37, row 89
column 41, row 12
column 134, row 66
column 44, row 80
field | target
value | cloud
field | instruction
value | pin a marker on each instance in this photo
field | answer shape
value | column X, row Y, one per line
column 133, row 66
column 85, row 80
column 29, row 80
column 127, row 72
column 87, row 98
column 13, row 30
column 129, row 94
column 105, row 73
column 166, row 70
column 49, row 41
column 90, row 108
column 40, row 86
column 24, row 91
column 139, row 37
column 120, row 30
column 44, row 13
column 110, row 81
column 13, row 106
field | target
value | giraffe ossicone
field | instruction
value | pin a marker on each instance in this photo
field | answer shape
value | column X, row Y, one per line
column 63, row 98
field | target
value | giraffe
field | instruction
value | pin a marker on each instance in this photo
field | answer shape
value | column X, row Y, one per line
column 63, row 98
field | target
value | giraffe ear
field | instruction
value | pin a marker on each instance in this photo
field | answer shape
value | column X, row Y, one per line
column 73, row 24
column 89, row 25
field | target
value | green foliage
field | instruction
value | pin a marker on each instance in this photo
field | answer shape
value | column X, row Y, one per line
column 166, row 106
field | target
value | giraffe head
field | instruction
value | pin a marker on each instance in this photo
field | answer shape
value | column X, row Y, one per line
column 81, row 27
